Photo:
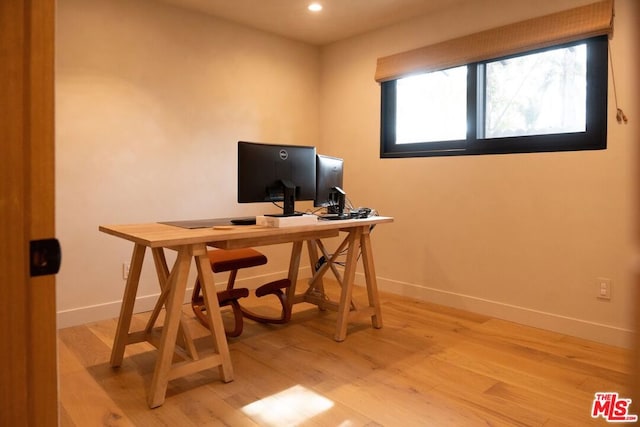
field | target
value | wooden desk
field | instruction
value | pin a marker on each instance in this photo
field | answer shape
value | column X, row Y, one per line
column 192, row 243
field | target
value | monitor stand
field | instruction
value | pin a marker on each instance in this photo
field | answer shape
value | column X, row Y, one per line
column 289, row 192
column 335, row 210
column 337, row 198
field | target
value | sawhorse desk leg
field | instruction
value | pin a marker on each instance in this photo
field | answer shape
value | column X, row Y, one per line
column 344, row 306
column 357, row 241
column 177, row 283
column 126, row 310
column 173, row 290
column 370, row 278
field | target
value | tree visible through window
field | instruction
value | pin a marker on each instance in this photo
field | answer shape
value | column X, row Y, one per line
column 537, row 94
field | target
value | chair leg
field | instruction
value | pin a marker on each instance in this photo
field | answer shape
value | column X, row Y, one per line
column 272, row 288
column 198, row 306
column 225, row 298
column 230, row 298
column 232, row 279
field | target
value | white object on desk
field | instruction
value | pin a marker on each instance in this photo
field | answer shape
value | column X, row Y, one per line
column 285, row 221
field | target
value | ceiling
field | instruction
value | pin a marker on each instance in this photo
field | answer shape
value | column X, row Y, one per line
column 338, row 20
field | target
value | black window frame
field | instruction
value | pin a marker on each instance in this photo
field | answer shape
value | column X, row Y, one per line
column 594, row 138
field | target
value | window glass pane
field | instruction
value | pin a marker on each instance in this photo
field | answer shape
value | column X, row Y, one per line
column 537, row 94
column 432, row 106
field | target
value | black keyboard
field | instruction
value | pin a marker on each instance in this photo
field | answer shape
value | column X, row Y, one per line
column 328, row 217
column 248, row 220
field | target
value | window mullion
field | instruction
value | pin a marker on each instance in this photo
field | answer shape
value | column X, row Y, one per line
column 481, row 101
column 473, row 108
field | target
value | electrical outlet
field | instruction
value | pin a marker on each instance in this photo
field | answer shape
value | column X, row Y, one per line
column 125, row 270
column 603, row 290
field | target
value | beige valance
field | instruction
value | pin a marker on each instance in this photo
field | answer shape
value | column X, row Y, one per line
column 574, row 24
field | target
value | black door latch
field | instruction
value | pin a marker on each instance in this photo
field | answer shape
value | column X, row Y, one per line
column 45, row 257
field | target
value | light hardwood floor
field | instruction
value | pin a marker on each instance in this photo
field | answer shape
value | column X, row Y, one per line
column 428, row 366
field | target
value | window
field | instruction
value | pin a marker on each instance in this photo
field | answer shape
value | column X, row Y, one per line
column 432, row 106
column 552, row 99
column 535, row 94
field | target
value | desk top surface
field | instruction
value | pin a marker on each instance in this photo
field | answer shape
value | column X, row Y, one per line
column 162, row 235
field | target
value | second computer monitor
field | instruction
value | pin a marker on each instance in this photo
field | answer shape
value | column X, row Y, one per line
column 329, row 185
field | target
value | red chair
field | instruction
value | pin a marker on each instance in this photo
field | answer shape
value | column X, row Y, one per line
column 233, row 260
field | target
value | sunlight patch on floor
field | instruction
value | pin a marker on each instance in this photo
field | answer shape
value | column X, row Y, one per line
column 289, row 407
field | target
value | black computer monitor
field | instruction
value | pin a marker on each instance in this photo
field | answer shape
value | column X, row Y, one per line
column 329, row 192
column 276, row 173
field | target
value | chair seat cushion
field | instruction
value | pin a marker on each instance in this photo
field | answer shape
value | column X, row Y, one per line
column 235, row 259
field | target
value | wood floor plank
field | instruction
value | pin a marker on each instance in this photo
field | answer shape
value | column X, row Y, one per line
column 428, row 365
column 83, row 402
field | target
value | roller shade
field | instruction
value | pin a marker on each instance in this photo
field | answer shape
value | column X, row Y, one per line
column 574, row 24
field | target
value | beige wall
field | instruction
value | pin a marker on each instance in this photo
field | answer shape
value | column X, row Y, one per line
column 151, row 100
column 522, row 236
column 150, row 103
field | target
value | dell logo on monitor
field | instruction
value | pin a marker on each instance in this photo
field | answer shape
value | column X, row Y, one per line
column 283, row 154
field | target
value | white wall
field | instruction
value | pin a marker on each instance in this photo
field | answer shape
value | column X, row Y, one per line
column 522, row 237
column 150, row 102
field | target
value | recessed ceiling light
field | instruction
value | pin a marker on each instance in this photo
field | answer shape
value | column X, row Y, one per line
column 315, row 7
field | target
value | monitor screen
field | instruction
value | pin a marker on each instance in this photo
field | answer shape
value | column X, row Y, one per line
column 329, row 187
column 276, row 173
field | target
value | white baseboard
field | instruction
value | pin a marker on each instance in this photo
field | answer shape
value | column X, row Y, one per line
column 93, row 313
column 605, row 334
